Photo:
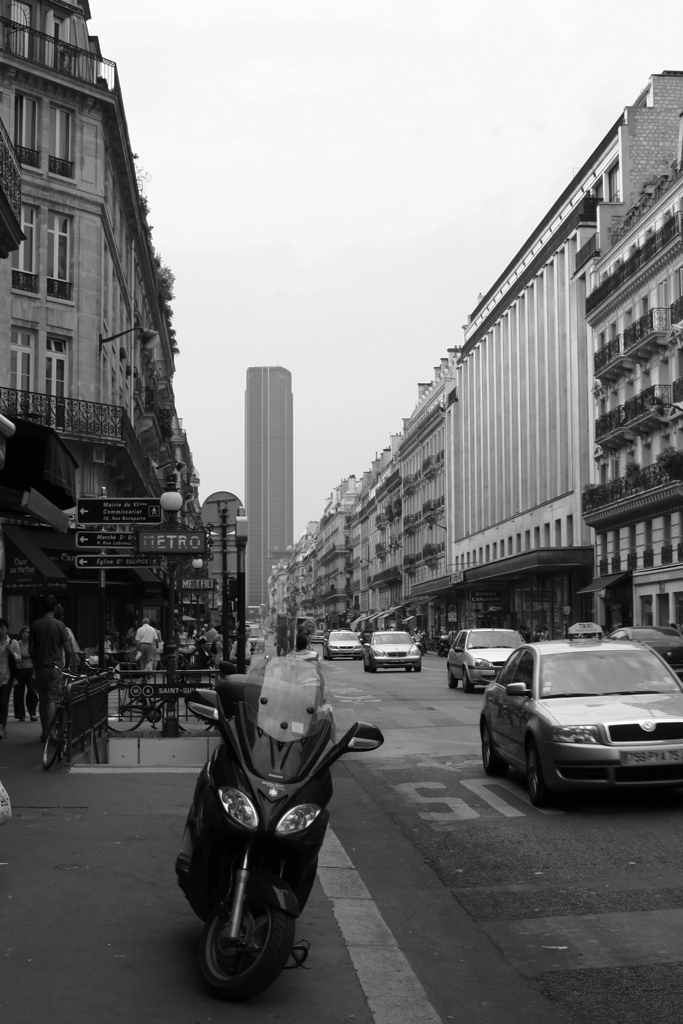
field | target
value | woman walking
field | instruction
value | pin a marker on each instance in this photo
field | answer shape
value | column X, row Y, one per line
column 26, row 687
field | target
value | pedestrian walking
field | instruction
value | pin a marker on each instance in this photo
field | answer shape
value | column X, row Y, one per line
column 210, row 633
column 159, row 644
column 9, row 658
column 47, row 640
column 146, row 639
column 25, row 693
column 59, row 614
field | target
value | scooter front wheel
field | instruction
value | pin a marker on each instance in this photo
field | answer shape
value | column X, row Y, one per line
column 237, row 969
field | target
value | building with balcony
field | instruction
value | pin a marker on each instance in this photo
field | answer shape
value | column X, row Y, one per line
column 333, row 557
column 423, row 457
column 634, row 307
column 522, row 553
column 87, row 347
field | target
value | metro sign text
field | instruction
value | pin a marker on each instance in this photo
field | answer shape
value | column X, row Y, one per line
column 172, row 542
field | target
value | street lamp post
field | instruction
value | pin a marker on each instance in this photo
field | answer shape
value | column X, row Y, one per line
column 171, row 502
column 241, row 533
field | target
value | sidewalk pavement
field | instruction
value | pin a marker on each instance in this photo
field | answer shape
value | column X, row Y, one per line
column 92, row 923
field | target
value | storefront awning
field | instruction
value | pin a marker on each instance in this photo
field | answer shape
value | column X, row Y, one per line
column 432, row 588
column 530, row 563
column 37, row 458
column 389, row 611
column 603, row 582
column 33, row 562
column 32, row 505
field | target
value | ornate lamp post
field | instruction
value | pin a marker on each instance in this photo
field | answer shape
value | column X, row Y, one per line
column 171, row 502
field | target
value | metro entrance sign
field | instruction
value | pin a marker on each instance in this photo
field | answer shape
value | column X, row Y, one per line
column 116, row 561
column 91, row 511
column 173, row 542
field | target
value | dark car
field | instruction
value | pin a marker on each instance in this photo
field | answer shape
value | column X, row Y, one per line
column 665, row 640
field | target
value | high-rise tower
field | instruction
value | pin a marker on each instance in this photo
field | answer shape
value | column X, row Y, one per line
column 268, row 473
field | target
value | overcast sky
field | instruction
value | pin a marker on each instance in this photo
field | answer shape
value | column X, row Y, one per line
column 333, row 182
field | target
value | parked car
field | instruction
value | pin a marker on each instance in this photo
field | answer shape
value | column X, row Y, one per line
column 342, row 643
column 318, row 637
column 478, row 655
column 663, row 639
column 584, row 713
column 391, row 649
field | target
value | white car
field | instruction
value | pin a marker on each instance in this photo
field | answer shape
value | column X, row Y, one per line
column 478, row 655
column 342, row 643
column 391, row 649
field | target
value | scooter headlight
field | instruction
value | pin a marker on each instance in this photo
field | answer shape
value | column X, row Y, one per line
column 298, row 819
column 238, row 807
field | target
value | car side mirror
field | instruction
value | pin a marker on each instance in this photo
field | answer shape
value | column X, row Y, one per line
column 458, row 650
column 517, row 690
column 366, row 737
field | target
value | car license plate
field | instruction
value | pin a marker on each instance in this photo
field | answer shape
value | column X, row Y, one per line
column 651, row 756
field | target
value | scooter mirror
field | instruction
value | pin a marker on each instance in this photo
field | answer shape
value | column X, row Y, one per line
column 203, row 704
column 367, row 737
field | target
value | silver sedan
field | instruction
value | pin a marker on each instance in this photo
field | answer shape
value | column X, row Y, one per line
column 391, row 649
column 584, row 714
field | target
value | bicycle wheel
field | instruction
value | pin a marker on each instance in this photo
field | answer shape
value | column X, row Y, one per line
column 130, row 715
column 56, row 739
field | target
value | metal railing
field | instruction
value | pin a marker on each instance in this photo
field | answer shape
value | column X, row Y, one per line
column 29, row 157
column 23, row 281
column 57, row 165
column 638, row 258
column 69, row 415
column 87, row 712
column 599, row 495
column 58, row 289
column 591, row 248
column 656, row 319
column 10, row 172
column 652, row 397
column 64, row 58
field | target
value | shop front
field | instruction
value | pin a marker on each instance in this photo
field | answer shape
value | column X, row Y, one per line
column 658, row 596
column 612, row 598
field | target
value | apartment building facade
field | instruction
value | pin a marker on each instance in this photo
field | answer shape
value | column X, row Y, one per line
column 86, row 343
column 634, row 308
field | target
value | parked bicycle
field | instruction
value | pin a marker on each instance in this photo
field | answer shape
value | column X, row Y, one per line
column 56, row 739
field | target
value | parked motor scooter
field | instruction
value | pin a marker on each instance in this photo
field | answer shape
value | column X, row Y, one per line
column 258, row 818
column 443, row 645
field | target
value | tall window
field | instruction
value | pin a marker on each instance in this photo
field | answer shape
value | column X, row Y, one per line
column 26, row 130
column 60, row 142
column 614, row 184
column 21, row 359
column 20, row 14
column 55, row 367
column 58, row 255
column 24, row 258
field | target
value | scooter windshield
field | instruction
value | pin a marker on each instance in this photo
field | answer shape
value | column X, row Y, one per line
column 286, row 718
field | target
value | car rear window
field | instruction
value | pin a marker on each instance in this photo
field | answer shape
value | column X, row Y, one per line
column 485, row 638
column 654, row 634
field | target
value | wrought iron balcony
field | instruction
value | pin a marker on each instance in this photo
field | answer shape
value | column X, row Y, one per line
column 616, row 563
column 648, row 558
column 71, row 61
column 28, row 157
column 24, row 282
column 644, row 494
column 604, row 566
column 410, row 482
column 410, row 522
column 10, row 196
column 643, row 407
column 413, row 559
column 58, row 289
column 381, row 550
column 65, row 168
column 632, row 561
column 667, row 554
column 393, row 573
column 642, row 255
column 67, row 415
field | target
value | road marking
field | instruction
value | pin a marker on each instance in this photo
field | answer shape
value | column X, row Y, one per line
column 393, row 992
column 478, row 786
column 459, row 811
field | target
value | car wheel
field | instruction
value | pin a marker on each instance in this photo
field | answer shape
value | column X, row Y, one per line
column 539, row 794
column 417, row 668
column 409, row 668
column 452, row 680
column 493, row 764
column 372, row 667
column 365, row 667
column 467, row 684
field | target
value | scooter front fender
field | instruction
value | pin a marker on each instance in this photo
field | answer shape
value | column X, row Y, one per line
column 270, row 888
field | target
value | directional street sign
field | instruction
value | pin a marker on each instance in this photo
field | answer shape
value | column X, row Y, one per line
column 105, row 540
column 173, row 542
column 118, row 510
column 116, row 561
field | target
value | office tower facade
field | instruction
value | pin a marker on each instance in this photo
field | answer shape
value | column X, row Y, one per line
column 268, row 474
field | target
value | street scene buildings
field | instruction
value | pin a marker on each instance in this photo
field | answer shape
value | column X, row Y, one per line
column 538, row 479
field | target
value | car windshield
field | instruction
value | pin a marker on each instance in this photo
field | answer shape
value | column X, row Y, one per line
column 654, row 634
column 600, row 673
column 391, row 638
column 487, row 638
column 343, row 636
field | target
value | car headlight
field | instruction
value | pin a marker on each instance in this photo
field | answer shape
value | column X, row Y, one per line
column 482, row 663
column 575, row 734
column 377, row 650
column 297, row 819
column 414, row 650
column 238, row 807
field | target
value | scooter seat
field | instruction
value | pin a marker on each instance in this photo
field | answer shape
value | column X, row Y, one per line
column 230, row 692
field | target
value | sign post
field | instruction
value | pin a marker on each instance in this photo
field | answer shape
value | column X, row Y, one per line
column 93, row 511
